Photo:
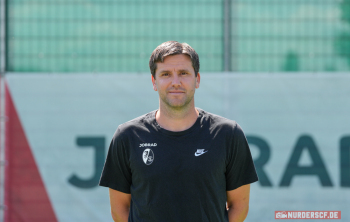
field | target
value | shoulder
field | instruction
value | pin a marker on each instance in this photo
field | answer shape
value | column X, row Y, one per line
column 216, row 122
column 139, row 124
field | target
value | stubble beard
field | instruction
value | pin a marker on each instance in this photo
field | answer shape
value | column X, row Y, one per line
column 175, row 105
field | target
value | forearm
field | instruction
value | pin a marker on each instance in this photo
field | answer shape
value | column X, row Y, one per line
column 237, row 214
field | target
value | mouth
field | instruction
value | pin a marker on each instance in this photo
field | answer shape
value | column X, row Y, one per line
column 176, row 92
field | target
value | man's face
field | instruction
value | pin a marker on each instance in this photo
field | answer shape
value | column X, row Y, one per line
column 176, row 81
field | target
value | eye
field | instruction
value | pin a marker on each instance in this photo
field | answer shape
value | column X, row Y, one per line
column 165, row 74
column 183, row 73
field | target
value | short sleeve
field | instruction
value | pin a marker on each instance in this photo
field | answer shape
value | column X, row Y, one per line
column 116, row 172
column 240, row 168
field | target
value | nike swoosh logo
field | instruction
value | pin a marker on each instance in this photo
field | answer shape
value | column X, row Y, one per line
column 198, row 154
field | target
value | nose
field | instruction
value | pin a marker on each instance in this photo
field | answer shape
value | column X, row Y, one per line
column 176, row 81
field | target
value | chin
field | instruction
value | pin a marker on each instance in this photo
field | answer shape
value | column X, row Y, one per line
column 176, row 104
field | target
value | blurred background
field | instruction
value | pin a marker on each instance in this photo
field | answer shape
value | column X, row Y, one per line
column 118, row 36
column 72, row 71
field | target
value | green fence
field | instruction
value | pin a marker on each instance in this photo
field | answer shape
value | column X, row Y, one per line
column 119, row 36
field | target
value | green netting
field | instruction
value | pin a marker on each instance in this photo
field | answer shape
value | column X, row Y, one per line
column 290, row 35
column 118, row 36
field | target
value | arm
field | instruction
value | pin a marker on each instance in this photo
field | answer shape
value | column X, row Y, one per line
column 120, row 205
column 238, row 203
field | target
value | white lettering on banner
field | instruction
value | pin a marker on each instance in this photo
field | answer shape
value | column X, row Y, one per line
column 307, row 215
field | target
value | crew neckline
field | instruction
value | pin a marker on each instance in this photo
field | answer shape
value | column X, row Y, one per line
column 176, row 133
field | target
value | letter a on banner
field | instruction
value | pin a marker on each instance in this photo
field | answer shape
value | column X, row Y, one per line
column 317, row 168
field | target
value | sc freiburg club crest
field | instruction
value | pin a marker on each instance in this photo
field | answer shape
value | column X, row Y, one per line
column 148, row 156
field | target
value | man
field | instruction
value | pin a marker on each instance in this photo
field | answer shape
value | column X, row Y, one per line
column 178, row 163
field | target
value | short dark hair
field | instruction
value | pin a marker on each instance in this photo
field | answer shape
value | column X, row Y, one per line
column 172, row 48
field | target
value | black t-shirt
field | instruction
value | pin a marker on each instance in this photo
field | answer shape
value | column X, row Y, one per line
column 178, row 176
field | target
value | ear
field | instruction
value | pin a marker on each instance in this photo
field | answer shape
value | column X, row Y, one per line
column 198, row 80
column 154, row 83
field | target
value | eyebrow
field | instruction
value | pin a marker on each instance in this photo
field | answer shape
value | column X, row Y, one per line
column 181, row 70
column 184, row 70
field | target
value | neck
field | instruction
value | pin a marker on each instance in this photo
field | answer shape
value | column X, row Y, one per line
column 176, row 119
